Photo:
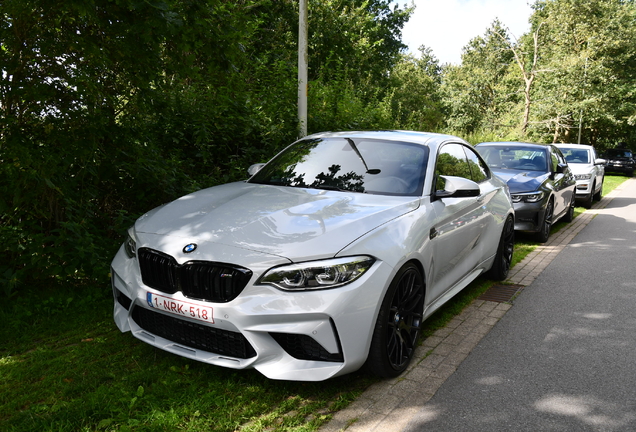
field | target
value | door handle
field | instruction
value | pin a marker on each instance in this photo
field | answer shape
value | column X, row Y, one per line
column 433, row 233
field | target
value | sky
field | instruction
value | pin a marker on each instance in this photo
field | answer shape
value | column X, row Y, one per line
column 446, row 26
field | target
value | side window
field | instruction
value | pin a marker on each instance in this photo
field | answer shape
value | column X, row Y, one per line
column 478, row 168
column 554, row 161
column 557, row 158
column 451, row 161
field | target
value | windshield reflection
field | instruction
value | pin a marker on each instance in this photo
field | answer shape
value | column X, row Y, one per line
column 364, row 166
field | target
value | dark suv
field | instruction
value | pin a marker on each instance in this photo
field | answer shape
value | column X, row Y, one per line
column 620, row 160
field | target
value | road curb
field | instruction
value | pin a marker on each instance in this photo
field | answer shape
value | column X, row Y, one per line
column 388, row 405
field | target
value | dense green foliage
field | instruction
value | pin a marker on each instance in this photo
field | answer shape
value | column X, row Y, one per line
column 109, row 108
column 571, row 75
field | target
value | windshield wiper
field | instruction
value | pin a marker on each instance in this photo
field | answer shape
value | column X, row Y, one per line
column 355, row 149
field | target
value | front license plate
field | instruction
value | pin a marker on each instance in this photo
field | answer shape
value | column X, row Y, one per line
column 181, row 308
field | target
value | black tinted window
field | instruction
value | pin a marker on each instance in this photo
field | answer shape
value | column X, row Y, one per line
column 357, row 165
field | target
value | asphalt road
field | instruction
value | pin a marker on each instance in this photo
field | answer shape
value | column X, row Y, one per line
column 564, row 357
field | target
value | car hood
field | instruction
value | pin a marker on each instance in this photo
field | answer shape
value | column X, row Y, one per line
column 297, row 224
column 522, row 181
column 581, row 168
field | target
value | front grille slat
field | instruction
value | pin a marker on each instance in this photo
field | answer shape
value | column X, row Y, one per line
column 200, row 280
column 194, row 335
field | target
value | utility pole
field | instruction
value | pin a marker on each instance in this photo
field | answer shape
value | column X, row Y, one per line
column 581, row 116
column 302, row 68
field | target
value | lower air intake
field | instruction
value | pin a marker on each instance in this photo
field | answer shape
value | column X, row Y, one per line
column 303, row 347
column 193, row 335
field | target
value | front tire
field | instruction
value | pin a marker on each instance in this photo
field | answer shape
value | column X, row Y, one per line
column 569, row 216
column 588, row 200
column 544, row 233
column 598, row 195
column 399, row 323
column 503, row 258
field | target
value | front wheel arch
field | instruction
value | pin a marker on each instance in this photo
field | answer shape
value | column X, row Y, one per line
column 503, row 257
column 546, row 222
column 399, row 323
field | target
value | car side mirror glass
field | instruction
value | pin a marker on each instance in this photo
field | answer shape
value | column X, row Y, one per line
column 458, row 187
column 253, row 169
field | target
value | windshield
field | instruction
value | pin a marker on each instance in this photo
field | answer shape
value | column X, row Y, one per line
column 515, row 158
column 618, row 153
column 345, row 164
column 574, row 155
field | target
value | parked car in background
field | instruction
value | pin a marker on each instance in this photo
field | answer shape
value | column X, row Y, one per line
column 328, row 258
column 540, row 181
column 588, row 169
column 620, row 160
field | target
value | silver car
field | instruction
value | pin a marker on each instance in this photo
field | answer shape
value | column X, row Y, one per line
column 588, row 169
column 327, row 259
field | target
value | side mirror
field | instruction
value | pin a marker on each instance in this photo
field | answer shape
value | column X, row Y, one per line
column 458, row 187
column 253, row 169
column 599, row 161
column 561, row 168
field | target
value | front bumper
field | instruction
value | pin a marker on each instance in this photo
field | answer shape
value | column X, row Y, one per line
column 620, row 168
column 305, row 336
column 529, row 216
column 583, row 189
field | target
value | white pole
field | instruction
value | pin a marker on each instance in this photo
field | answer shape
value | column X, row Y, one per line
column 302, row 68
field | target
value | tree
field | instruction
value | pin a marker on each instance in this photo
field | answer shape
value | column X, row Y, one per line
column 86, row 87
column 588, row 48
column 478, row 91
column 111, row 108
column 415, row 100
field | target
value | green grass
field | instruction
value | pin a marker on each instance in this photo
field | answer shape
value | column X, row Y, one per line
column 64, row 366
column 72, row 370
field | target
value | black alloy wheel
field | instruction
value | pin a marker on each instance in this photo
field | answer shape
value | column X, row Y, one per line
column 503, row 258
column 546, row 225
column 398, row 325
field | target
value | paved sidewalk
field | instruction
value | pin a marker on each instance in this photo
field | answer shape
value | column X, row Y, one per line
column 387, row 406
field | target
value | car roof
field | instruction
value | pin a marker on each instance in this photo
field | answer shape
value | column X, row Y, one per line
column 425, row 138
column 514, row 144
column 580, row 146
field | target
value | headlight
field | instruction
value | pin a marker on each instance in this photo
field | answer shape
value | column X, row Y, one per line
column 316, row 275
column 583, row 176
column 527, row 197
column 130, row 245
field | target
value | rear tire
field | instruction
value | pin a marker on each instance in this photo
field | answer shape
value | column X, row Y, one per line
column 399, row 323
column 503, row 258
